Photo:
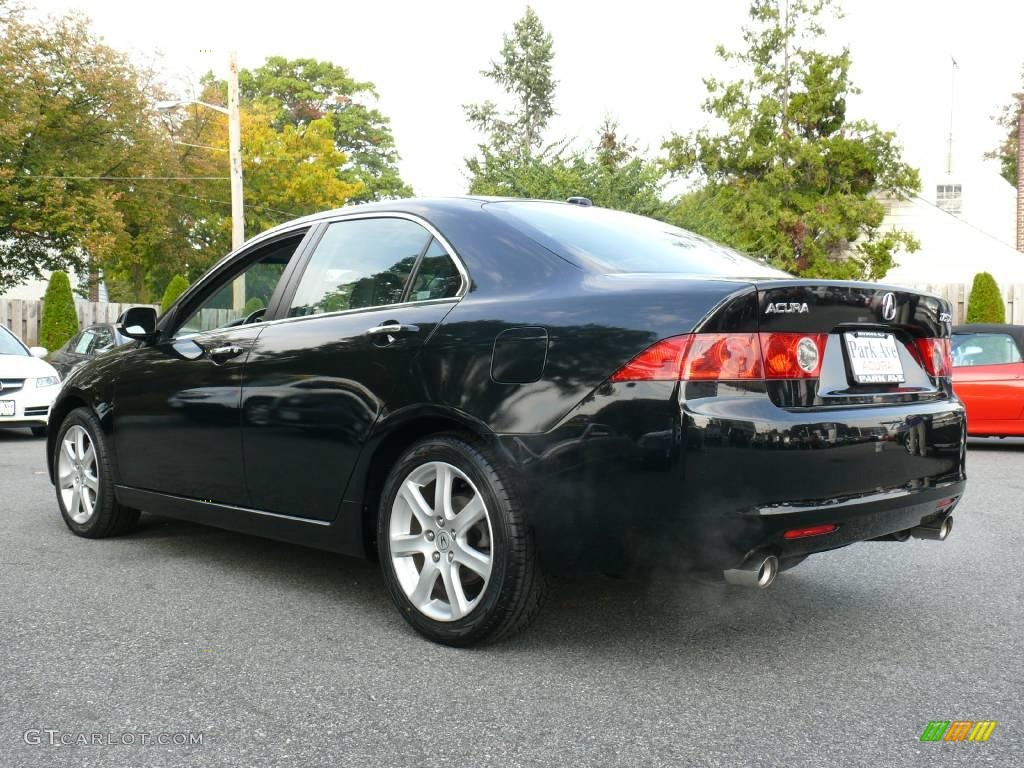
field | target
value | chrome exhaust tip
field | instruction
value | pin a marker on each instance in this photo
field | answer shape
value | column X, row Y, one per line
column 757, row 572
column 935, row 532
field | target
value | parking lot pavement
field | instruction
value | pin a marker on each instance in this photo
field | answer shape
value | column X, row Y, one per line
column 280, row 655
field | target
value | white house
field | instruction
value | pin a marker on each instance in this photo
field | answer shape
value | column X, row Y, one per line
column 965, row 222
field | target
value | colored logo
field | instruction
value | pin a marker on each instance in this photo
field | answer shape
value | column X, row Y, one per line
column 958, row 730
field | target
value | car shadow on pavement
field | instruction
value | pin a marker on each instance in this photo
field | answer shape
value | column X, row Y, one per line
column 617, row 617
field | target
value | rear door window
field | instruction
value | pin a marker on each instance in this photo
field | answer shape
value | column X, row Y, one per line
column 360, row 263
column 984, row 349
column 437, row 276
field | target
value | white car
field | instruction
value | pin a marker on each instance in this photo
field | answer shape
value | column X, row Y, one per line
column 28, row 384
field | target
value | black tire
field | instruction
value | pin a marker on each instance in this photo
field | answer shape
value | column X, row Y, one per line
column 109, row 518
column 516, row 588
column 38, row 431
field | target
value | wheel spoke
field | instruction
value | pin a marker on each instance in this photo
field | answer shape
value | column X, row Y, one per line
column 407, row 544
column 87, row 501
column 89, row 457
column 69, row 449
column 413, row 496
column 472, row 513
column 425, row 585
column 476, row 561
column 76, row 502
column 456, row 596
column 67, row 479
column 80, row 442
column 91, row 481
column 443, row 492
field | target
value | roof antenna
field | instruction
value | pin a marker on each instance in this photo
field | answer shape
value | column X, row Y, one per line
column 586, row 202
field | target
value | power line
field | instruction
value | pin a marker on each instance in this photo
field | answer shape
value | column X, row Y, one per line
column 127, row 178
column 289, row 214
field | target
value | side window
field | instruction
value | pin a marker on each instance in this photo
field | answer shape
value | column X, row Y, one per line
column 984, row 349
column 359, row 263
column 437, row 277
column 84, row 342
column 104, row 340
column 243, row 295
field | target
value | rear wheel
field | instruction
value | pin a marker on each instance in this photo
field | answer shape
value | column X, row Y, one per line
column 454, row 546
column 84, row 481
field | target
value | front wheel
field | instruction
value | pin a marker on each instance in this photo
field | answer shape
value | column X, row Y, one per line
column 454, row 545
column 84, row 480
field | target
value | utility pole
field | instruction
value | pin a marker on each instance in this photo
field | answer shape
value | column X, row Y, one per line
column 952, row 94
column 1020, row 171
column 235, row 158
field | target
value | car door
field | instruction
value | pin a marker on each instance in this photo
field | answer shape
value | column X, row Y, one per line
column 988, row 375
column 371, row 293
column 176, row 417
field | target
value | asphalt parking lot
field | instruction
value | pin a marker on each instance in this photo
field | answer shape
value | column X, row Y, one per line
column 279, row 655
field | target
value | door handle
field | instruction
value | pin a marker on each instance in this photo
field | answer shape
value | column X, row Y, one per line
column 391, row 328
column 222, row 354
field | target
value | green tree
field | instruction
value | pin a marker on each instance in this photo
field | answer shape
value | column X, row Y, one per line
column 299, row 92
column 74, row 122
column 60, row 320
column 178, row 285
column 785, row 173
column 513, row 159
column 986, row 302
column 1006, row 153
column 252, row 305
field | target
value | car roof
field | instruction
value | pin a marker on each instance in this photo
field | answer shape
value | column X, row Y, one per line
column 1014, row 331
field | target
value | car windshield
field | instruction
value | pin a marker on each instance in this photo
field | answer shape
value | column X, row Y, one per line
column 9, row 345
column 612, row 241
column 984, row 349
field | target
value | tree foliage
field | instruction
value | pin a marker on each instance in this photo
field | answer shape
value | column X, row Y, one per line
column 71, row 110
column 1006, row 153
column 784, row 171
column 177, row 286
column 513, row 159
column 985, row 304
column 60, row 320
column 299, row 92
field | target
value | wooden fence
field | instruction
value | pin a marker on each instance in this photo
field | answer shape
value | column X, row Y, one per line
column 22, row 316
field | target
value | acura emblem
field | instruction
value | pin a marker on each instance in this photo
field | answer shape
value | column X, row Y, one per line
column 889, row 306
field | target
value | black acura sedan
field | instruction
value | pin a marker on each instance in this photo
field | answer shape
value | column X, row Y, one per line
column 463, row 388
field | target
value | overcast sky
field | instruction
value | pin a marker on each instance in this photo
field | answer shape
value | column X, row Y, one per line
column 639, row 61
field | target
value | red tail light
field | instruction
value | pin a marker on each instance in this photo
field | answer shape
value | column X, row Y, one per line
column 661, row 362
column 722, row 356
column 793, row 355
column 937, row 356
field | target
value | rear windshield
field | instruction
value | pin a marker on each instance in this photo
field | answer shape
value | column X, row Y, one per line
column 612, row 241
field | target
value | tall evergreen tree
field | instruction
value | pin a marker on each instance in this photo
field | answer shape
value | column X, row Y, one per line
column 785, row 172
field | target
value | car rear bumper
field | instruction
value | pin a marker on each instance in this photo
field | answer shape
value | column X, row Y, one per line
column 640, row 472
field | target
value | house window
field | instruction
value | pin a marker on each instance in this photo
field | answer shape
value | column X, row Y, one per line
column 949, row 198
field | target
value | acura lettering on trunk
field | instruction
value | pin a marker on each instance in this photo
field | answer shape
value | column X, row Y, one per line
column 476, row 392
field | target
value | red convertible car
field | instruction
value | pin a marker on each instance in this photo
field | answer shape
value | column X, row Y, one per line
column 988, row 376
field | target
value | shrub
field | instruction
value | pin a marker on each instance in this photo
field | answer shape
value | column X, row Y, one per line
column 252, row 305
column 174, row 289
column 60, row 321
column 986, row 302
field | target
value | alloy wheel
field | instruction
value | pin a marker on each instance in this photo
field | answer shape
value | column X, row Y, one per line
column 440, row 541
column 77, row 475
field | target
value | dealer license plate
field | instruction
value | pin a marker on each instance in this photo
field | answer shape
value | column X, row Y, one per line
column 874, row 358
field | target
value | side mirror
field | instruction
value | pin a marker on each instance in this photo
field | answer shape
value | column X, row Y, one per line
column 40, row 352
column 137, row 323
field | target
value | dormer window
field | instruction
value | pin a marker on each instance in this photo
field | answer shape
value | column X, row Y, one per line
column 949, row 198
